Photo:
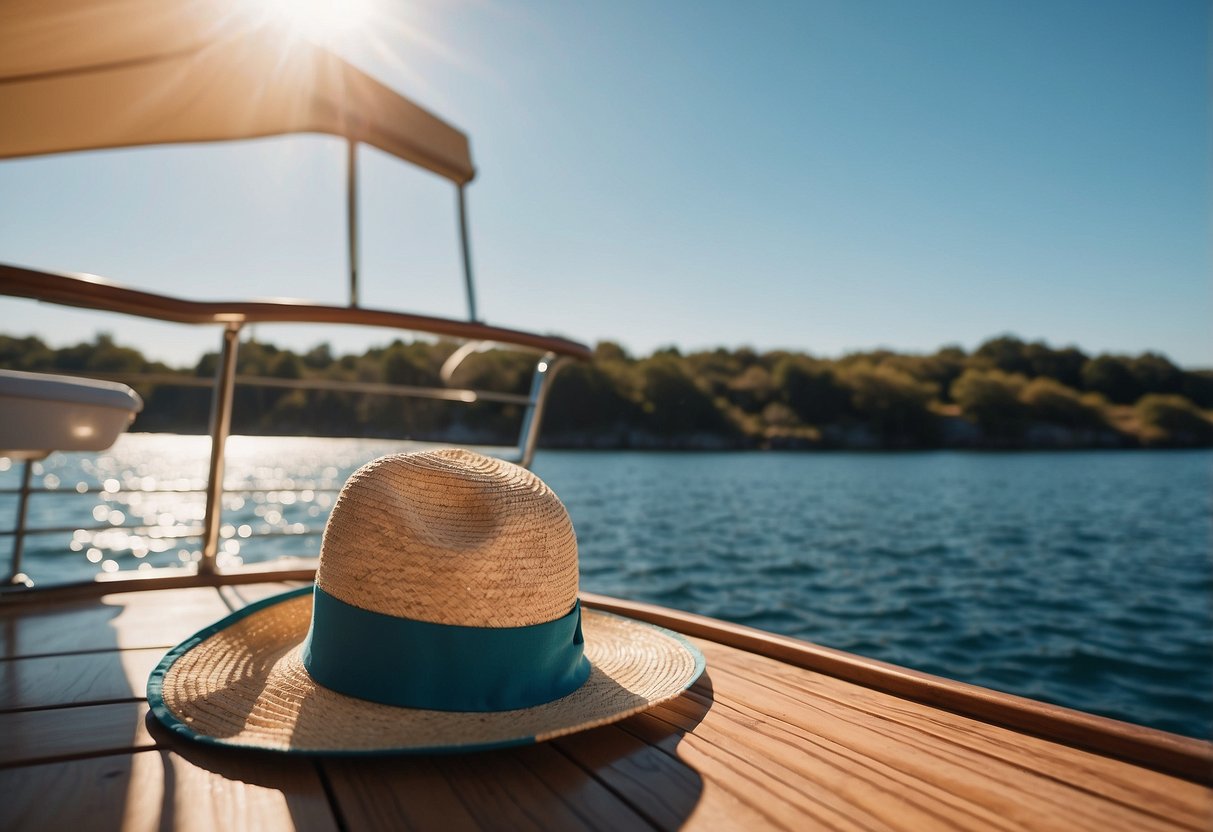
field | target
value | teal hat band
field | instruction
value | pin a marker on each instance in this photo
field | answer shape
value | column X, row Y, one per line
column 443, row 667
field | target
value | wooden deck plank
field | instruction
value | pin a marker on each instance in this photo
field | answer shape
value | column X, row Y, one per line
column 742, row 783
column 155, row 790
column 595, row 806
column 531, row 788
column 875, row 792
column 1184, row 757
column 160, row 618
column 63, row 733
column 977, row 744
column 103, row 651
column 76, row 678
column 659, row 786
column 756, row 743
column 934, row 773
column 403, row 793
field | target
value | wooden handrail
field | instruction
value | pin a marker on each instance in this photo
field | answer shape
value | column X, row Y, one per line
column 92, row 292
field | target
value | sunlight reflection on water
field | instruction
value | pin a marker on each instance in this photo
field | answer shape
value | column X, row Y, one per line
column 145, row 498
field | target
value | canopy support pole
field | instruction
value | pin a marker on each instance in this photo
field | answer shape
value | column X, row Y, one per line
column 467, row 254
column 351, row 214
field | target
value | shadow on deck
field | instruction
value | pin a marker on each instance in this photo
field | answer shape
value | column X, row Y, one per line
column 81, row 749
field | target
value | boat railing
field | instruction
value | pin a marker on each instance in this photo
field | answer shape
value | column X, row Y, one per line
column 178, row 532
column 96, row 293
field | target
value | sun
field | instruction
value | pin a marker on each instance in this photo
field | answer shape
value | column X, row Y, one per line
column 319, row 19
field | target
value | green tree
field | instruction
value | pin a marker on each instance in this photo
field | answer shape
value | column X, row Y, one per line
column 779, row 415
column 939, row 369
column 408, row 364
column 751, row 390
column 101, row 356
column 812, row 390
column 1154, row 373
column 1006, row 353
column 1198, row 388
column 502, row 371
column 285, row 365
column 1111, row 377
column 585, row 398
column 1050, row 401
column 499, row 371
column 27, row 354
column 672, row 403
column 610, row 351
column 333, row 413
column 1064, row 365
column 715, row 370
column 319, row 357
column 1172, row 420
column 991, row 398
column 892, row 402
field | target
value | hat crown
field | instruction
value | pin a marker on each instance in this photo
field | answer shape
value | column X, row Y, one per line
column 450, row 537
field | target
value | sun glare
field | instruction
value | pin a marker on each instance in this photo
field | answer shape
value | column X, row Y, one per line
column 320, row 19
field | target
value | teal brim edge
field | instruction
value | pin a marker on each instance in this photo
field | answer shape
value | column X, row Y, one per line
column 155, row 692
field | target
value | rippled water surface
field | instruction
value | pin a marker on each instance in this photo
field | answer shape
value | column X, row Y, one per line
column 1078, row 578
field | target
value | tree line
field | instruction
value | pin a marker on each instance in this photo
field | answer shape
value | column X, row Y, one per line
column 1007, row 393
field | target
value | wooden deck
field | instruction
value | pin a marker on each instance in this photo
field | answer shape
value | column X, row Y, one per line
column 761, row 741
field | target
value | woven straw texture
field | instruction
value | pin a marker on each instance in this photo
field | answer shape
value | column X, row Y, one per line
column 246, row 686
column 450, row 537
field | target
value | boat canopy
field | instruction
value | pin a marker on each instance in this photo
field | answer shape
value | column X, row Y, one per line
column 92, row 74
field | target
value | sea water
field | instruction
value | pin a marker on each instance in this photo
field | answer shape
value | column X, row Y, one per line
column 1080, row 578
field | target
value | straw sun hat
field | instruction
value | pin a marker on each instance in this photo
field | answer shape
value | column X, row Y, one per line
column 444, row 617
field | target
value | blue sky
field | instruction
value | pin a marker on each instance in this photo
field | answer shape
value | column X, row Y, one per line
column 819, row 176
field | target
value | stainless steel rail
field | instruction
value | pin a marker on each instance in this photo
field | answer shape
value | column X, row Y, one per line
column 221, row 425
column 15, row 576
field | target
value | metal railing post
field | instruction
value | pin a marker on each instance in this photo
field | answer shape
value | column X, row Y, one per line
column 221, row 423
column 14, row 572
column 541, row 384
column 466, row 246
column 351, row 215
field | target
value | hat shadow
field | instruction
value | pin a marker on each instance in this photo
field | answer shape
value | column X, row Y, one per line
column 624, row 774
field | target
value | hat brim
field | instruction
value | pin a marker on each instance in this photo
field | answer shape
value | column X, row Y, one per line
column 241, row 683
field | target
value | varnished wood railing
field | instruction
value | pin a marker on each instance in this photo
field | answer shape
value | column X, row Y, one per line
column 92, row 292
